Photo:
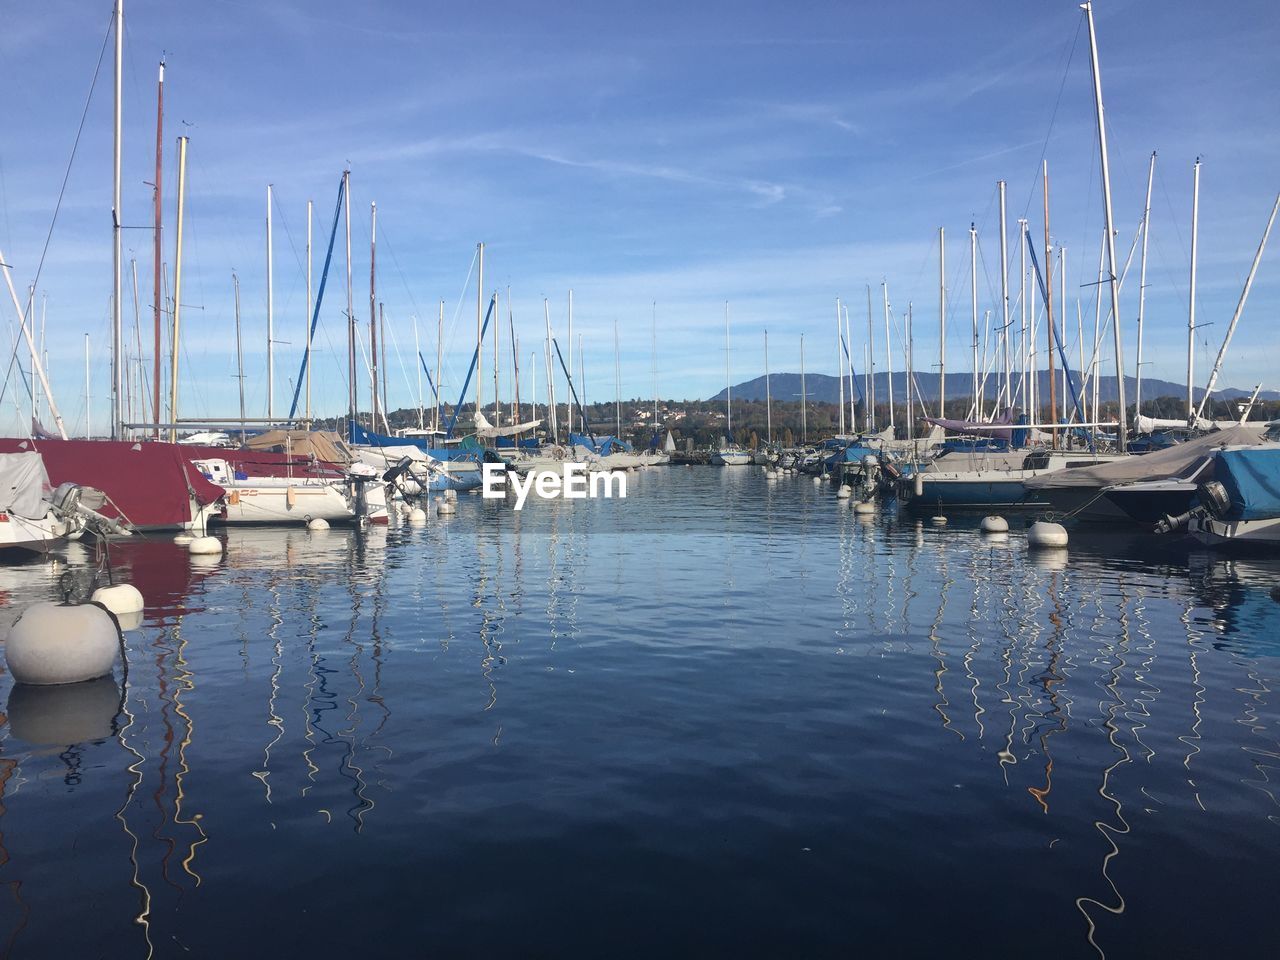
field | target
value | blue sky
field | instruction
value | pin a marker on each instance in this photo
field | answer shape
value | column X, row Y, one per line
column 775, row 156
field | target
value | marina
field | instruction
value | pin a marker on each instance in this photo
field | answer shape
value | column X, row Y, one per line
column 334, row 621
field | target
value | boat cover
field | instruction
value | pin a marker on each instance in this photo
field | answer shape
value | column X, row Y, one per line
column 1164, row 464
column 467, row 450
column 24, row 485
column 1252, row 479
column 324, row 445
column 602, row 446
column 150, row 484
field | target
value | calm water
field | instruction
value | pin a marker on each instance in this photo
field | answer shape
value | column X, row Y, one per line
column 721, row 716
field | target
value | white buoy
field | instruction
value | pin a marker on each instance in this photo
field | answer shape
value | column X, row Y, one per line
column 845, row 491
column 938, row 521
column 864, row 506
column 205, row 546
column 917, row 483
column 55, row 643
column 417, row 516
column 771, row 474
column 451, row 495
column 1044, row 534
column 817, row 479
column 445, row 508
column 317, row 523
column 119, row 598
column 55, row 716
column 995, row 525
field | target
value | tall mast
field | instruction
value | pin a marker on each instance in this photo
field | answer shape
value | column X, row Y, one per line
column 373, row 316
column 1118, row 340
column 235, row 283
column 515, row 357
column 417, row 348
column 654, row 362
column 973, row 297
column 351, row 312
column 307, row 319
column 480, row 320
column 1022, row 296
column 382, row 336
column 728, row 389
column 497, row 325
column 888, row 354
column 1142, row 286
column 1004, row 300
column 582, row 382
column 804, row 399
column 439, row 360
column 117, row 365
column 174, row 339
column 569, row 372
column 871, row 369
column 942, row 322
column 617, row 384
column 157, row 254
column 552, row 413
column 88, row 398
column 839, row 365
column 1191, row 301
column 271, row 336
column 36, row 364
column 1235, row 317
column 911, row 418
column 1048, row 285
column 768, row 395
column 853, row 386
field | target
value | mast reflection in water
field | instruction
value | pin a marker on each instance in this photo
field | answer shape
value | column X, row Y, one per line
column 723, row 714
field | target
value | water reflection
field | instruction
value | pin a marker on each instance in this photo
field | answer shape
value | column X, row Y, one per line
column 745, row 696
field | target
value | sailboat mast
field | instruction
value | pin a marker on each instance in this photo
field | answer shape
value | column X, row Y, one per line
column 804, row 399
column 351, row 312
column 973, row 297
column 117, row 365
column 728, row 389
column 568, row 374
column 888, row 354
column 479, row 321
column 1142, row 286
column 942, row 322
column 497, row 342
column 174, row 340
column 157, row 254
column 617, row 384
column 1004, row 300
column 871, row 368
column 853, row 384
column 1118, row 340
column 1191, row 300
column 439, row 360
column 373, row 316
column 1048, row 305
column 654, row 363
column 382, row 336
column 417, row 348
column 768, row 395
column 1022, row 333
column 235, row 284
column 271, row 345
column 552, row 413
column 840, row 365
column 88, row 398
column 307, row 318
column 911, row 418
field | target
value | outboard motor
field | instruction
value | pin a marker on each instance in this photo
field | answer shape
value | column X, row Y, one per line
column 1213, row 500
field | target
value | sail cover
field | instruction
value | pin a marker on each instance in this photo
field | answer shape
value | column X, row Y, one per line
column 485, row 429
column 1175, row 461
column 24, row 485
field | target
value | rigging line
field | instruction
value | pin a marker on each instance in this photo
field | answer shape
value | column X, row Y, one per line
column 66, row 177
column 1053, row 117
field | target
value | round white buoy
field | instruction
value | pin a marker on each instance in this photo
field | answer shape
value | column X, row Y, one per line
column 451, row 495
column 864, row 506
column 317, row 523
column 771, row 474
column 917, row 485
column 119, row 598
column 845, row 491
column 404, row 508
column 1044, row 534
column 417, row 515
column 54, row 716
column 446, row 508
column 51, row 643
column 817, row 479
column 938, row 521
column 995, row 525
column 205, row 546
column 183, row 539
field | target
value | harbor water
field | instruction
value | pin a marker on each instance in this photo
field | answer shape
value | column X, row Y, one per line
column 725, row 716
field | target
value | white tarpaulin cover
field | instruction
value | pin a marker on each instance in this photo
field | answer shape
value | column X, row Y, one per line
column 485, row 429
column 24, row 485
column 1162, row 465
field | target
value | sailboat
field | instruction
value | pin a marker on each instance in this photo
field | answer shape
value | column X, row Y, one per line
column 729, row 454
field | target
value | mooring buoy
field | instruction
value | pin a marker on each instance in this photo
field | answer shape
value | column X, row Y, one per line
column 119, row 598
column 53, row 643
column 995, row 524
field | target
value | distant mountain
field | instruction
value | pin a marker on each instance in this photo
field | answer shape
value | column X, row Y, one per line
column 824, row 388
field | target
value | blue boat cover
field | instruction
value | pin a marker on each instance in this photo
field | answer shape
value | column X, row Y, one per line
column 366, row 438
column 1252, row 479
column 601, row 445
